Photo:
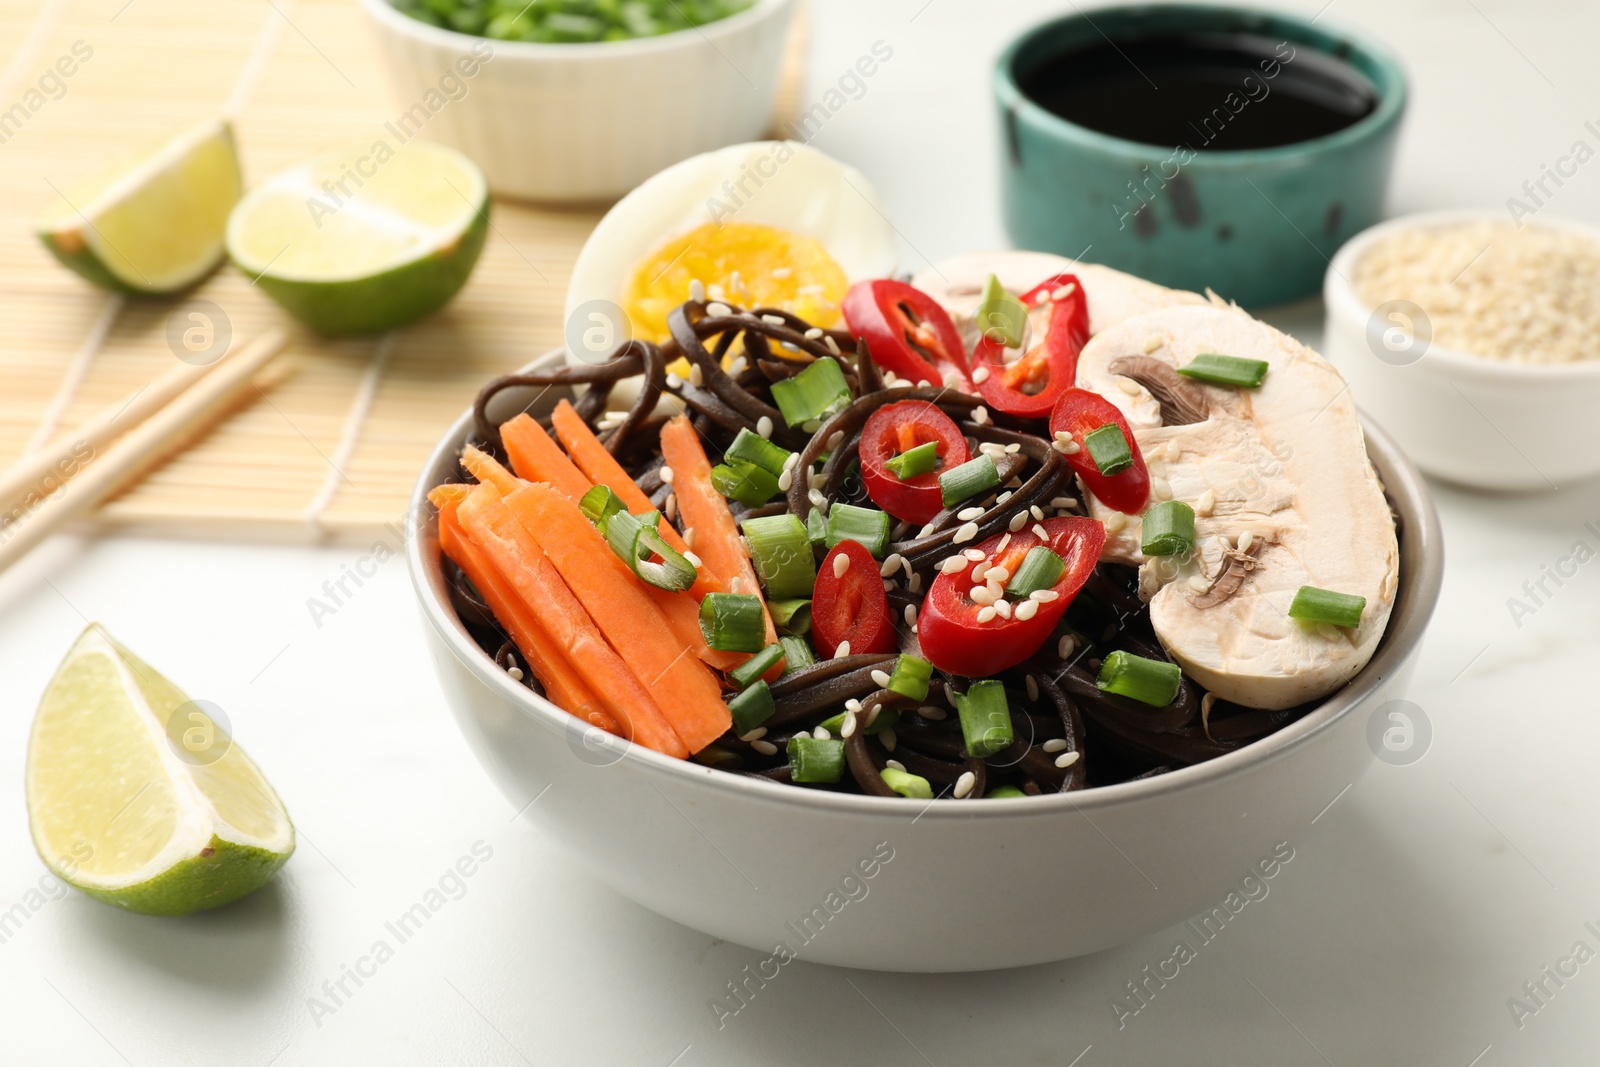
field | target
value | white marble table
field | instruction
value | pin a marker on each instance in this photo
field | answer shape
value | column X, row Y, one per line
column 1416, row 906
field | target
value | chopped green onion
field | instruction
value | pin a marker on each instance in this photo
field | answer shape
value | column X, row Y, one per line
column 1226, row 370
column 752, row 707
column 733, row 622
column 793, row 616
column 753, row 668
column 635, row 538
column 869, row 526
column 912, row 462
column 796, row 653
column 1149, row 681
column 910, row 677
column 815, row 759
column 752, row 448
column 782, row 554
column 744, row 482
column 906, row 784
column 814, row 393
column 599, row 504
column 1001, row 317
column 976, row 475
column 985, row 718
column 886, row 718
column 1109, row 449
column 1323, row 605
column 817, row 527
column 1041, row 569
column 1168, row 529
column 1004, row 792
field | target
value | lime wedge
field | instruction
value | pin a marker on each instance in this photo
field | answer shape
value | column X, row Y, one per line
column 153, row 225
column 137, row 795
column 364, row 238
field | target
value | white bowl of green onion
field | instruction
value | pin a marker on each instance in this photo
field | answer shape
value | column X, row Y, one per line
column 938, row 885
column 579, row 101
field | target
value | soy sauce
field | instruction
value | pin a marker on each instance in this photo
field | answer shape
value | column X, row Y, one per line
column 1210, row 91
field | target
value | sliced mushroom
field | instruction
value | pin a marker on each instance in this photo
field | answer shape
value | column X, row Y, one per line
column 1182, row 402
column 1285, row 463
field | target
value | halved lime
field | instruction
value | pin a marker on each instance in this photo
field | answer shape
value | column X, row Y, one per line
column 153, row 225
column 364, row 238
column 137, row 795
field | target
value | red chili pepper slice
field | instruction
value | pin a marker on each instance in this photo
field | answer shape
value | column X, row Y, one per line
column 955, row 641
column 850, row 606
column 900, row 427
column 906, row 331
column 1079, row 412
column 1030, row 385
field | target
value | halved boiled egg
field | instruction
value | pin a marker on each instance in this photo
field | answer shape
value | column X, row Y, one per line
column 765, row 224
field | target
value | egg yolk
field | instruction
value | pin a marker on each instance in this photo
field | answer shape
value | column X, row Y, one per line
column 742, row 263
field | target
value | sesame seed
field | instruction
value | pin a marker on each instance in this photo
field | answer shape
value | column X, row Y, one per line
column 1013, row 448
column 896, row 764
column 881, row 677
column 1055, row 744
column 1114, row 521
column 1152, row 343
column 816, row 498
column 847, row 729
column 813, row 478
column 785, row 481
column 842, row 651
column 1206, row 504
column 991, row 449
column 1064, row 291
column 952, row 564
column 1040, row 532
column 997, row 574
column 1063, row 502
column 852, row 704
column 889, row 740
column 670, row 509
column 688, row 536
column 911, row 614
column 718, row 309
column 774, row 320
column 1245, row 540
column 982, row 596
column 692, row 558
column 811, row 425
column 1044, row 596
column 891, row 563
column 835, row 439
column 1033, row 687
column 833, row 346
column 965, row 783
column 980, row 414
column 764, row 426
column 1129, row 386
column 766, row 748
column 1026, row 610
column 1161, row 487
column 821, row 734
column 966, row 533
column 754, row 735
column 974, row 554
column 1018, row 521
column 716, row 292
column 515, row 673
column 736, row 586
column 665, row 474
column 674, row 382
column 1003, row 497
column 923, row 383
column 697, row 376
column 980, row 375
column 1066, row 759
column 1036, row 512
column 738, row 366
column 841, row 563
column 813, row 333
column 873, row 713
column 1065, row 646
column 1001, row 547
column 1199, row 583
column 697, row 290
column 987, row 614
column 933, row 714
column 1002, row 608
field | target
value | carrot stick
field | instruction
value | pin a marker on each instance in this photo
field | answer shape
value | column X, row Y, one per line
column 563, row 684
column 489, row 470
column 537, row 458
column 686, row 691
column 716, row 535
column 537, row 584
column 602, row 468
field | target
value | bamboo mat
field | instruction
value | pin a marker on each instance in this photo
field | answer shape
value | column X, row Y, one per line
column 333, row 451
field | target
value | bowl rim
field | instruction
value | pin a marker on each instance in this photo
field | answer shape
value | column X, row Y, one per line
column 1391, row 102
column 384, row 12
column 1421, row 577
column 1340, row 295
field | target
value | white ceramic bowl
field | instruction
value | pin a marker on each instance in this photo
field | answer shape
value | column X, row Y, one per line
column 583, row 122
column 954, row 885
column 1477, row 421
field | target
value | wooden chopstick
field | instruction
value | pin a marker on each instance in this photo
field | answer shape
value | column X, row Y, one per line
column 163, row 432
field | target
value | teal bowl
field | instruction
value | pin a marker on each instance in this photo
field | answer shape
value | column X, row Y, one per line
column 1257, row 226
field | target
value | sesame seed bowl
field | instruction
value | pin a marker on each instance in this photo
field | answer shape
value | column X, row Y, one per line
column 891, row 884
column 1472, row 340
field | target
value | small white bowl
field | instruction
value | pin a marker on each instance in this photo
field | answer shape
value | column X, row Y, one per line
column 888, row 884
column 1478, row 421
column 583, row 122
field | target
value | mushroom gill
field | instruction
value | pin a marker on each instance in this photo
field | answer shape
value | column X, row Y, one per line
column 1182, row 402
